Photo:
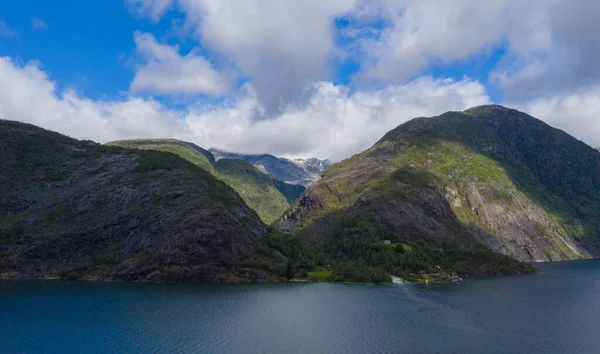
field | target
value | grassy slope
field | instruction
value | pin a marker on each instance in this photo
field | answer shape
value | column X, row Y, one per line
column 256, row 188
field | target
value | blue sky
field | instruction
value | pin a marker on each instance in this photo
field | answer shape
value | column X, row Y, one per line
column 88, row 45
column 291, row 78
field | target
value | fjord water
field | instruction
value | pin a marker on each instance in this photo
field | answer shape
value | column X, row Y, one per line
column 557, row 311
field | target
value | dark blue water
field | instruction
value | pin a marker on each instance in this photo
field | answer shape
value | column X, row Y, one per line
column 558, row 311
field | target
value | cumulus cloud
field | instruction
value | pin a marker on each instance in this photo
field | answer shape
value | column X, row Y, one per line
column 165, row 71
column 562, row 58
column 281, row 46
column 550, row 47
column 414, row 33
column 335, row 123
column 38, row 24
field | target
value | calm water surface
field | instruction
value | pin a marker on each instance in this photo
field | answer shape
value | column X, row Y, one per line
column 558, row 311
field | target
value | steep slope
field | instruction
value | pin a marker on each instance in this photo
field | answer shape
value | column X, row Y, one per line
column 256, row 188
column 299, row 171
column 488, row 176
column 78, row 209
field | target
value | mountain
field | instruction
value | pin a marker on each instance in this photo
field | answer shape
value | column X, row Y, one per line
column 299, row 171
column 81, row 210
column 258, row 190
column 489, row 176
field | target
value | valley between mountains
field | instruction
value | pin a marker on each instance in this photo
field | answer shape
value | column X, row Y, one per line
column 480, row 192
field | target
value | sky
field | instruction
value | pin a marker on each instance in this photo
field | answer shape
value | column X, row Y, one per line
column 308, row 78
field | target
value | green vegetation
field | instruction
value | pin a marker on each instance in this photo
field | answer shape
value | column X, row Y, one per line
column 320, row 275
column 254, row 187
column 366, row 260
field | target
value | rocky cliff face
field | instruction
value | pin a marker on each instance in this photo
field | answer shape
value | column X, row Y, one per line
column 73, row 209
column 489, row 175
column 302, row 172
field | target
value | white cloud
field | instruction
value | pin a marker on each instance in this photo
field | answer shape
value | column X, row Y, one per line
column 561, row 59
column 334, row 124
column 550, row 45
column 165, row 71
column 6, row 32
column 38, row 24
column 282, row 46
column 27, row 95
column 414, row 33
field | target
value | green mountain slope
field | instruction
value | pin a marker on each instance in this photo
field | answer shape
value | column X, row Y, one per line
column 256, row 188
column 488, row 176
column 77, row 209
